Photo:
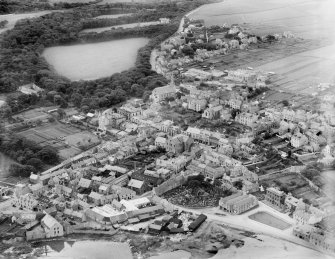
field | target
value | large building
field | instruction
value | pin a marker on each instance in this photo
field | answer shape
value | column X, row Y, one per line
column 275, row 197
column 52, row 227
column 238, row 203
column 161, row 93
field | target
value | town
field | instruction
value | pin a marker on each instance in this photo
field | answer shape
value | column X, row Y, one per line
column 212, row 144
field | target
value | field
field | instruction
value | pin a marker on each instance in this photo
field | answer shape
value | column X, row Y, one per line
column 54, row 135
column 34, row 114
column 268, row 219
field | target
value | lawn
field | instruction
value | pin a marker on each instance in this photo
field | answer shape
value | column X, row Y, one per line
column 270, row 220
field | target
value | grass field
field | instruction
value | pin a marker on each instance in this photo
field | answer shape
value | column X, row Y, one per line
column 54, row 135
column 270, row 220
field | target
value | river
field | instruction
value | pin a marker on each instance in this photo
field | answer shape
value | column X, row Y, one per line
column 96, row 60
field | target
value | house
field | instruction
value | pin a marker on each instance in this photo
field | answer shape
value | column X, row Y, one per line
column 197, row 222
column 95, row 198
column 160, row 142
column 164, row 20
column 247, row 119
column 34, row 178
column 275, row 197
column 35, row 233
column 84, row 183
column 161, row 93
column 299, row 140
column 178, row 144
column 30, row 89
column 212, row 113
column 52, row 227
column 138, row 186
column 26, row 201
column 238, row 203
column 123, row 193
column 196, row 104
column 37, row 189
column 104, row 189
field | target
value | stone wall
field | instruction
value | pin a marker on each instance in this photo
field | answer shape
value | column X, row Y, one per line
column 170, row 184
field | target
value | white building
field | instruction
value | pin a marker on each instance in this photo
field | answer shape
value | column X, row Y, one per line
column 52, row 227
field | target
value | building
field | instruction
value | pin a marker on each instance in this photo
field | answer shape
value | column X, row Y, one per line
column 52, row 227
column 299, row 140
column 196, row 104
column 178, row 144
column 26, row 201
column 161, row 93
column 212, row 113
column 247, row 119
column 238, row 203
column 164, row 20
column 160, row 142
column 137, row 186
column 275, row 197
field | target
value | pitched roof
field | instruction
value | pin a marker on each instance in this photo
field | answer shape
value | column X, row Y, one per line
column 48, row 221
column 135, row 183
column 85, row 183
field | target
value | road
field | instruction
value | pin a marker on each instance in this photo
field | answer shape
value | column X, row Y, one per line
column 243, row 223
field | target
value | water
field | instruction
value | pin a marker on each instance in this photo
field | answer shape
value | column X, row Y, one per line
column 96, row 60
column 87, row 249
column 307, row 18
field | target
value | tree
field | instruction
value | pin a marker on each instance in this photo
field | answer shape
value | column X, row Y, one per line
column 188, row 51
column 48, row 155
column 238, row 185
column 285, row 103
column 35, row 162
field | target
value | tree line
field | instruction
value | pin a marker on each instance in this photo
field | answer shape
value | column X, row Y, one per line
column 31, row 156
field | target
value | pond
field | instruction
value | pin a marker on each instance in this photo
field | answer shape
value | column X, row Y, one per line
column 96, row 60
column 86, row 250
column 270, row 220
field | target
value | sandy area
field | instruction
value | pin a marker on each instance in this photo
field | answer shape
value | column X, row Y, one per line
column 268, row 248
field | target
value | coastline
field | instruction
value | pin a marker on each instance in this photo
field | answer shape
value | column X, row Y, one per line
column 154, row 53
